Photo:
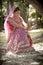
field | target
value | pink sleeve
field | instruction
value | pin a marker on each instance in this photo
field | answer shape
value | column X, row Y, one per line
column 11, row 21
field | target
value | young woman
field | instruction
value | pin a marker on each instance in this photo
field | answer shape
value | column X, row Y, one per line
column 16, row 34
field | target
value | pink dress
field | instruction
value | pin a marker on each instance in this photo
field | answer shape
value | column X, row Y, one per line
column 17, row 38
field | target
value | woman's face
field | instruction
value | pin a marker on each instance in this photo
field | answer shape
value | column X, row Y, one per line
column 17, row 13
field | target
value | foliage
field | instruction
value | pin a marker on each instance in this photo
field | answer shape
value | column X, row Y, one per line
column 24, row 5
column 36, row 17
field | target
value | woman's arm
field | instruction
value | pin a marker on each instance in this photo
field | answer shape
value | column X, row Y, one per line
column 24, row 23
column 33, row 27
column 13, row 23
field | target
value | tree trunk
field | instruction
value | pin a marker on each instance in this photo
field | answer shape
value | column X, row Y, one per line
column 1, row 15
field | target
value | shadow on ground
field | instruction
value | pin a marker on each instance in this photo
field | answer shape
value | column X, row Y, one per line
column 31, row 58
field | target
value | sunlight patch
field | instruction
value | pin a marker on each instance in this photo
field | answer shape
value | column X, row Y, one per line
column 35, row 63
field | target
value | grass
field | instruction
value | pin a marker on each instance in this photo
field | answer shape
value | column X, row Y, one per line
column 2, row 37
column 35, row 33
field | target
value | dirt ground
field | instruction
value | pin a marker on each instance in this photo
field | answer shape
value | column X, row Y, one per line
column 33, row 57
